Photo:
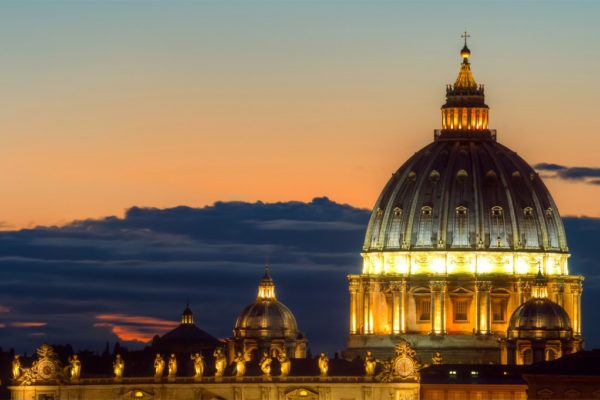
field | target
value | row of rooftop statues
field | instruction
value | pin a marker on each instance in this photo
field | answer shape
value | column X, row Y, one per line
column 73, row 369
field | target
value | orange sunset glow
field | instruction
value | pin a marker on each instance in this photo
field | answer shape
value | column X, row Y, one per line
column 192, row 111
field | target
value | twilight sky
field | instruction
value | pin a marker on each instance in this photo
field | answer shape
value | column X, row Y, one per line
column 106, row 105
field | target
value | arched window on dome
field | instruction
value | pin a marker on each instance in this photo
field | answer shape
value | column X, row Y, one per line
column 460, row 236
column 394, row 235
column 529, row 234
column 497, row 230
column 462, row 175
column 376, row 227
column 425, row 226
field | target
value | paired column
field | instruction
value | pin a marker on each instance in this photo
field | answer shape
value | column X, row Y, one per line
column 367, row 309
column 483, row 302
column 558, row 291
column 576, row 289
column 398, row 289
column 438, row 307
column 354, row 305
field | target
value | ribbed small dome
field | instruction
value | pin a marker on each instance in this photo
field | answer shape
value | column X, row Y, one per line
column 266, row 318
column 539, row 318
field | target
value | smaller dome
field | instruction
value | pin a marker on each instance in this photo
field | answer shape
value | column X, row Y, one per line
column 539, row 318
column 266, row 317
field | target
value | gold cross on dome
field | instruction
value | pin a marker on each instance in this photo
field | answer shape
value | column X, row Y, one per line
column 465, row 36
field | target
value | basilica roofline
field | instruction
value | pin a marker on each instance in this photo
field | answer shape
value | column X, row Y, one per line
column 226, row 380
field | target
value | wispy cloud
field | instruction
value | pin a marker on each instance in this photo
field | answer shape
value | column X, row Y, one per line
column 4, row 309
column 5, row 225
column 588, row 175
column 27, row 324
column 134, row 328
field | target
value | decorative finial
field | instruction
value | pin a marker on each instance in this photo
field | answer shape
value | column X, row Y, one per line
column 465, row 36
column 465, row 52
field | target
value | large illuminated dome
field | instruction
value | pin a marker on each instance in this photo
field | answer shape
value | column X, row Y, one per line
column 459, row 195
column 455, row 242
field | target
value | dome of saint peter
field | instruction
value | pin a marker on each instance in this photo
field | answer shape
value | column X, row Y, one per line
column 455, row 241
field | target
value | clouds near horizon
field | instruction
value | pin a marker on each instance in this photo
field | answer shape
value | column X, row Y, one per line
column 129, row 278
column 588, row 175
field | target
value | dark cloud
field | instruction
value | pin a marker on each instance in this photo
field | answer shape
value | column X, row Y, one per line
column 149, row 262
column 571, row 173
column 92, row 280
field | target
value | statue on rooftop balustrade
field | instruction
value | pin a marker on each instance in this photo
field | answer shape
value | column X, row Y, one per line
column 265, row 364
column 198, row 365
column 172, row 366
column 323, row 363
column 118, row 367
column 16, row 367
column 285, row 363
column 220, row 362
column 370, row 364
column 159, row 366
column 74, row 367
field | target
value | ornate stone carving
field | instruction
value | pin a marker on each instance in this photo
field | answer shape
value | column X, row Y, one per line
column 45, row 369
column 403, row 366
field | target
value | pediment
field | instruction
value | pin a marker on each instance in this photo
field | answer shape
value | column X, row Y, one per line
column 461, row 291
column 138, row 394
column 545, row 393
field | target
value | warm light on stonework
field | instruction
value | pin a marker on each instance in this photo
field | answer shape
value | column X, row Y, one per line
column 461, row 262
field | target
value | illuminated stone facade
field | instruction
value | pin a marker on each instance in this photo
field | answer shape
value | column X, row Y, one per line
column 455, row 241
